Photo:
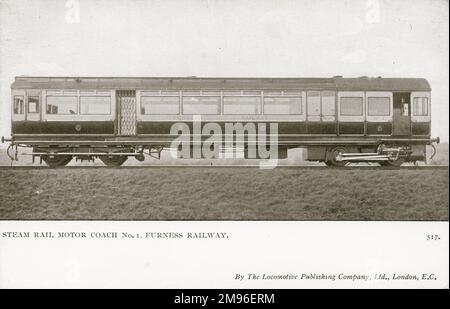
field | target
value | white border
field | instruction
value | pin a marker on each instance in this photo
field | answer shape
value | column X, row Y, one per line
column 270, row 247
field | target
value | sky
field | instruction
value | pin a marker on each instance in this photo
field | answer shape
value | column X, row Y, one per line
column 227, row 38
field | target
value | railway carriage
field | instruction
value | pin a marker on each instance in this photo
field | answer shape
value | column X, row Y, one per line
column 337, row 120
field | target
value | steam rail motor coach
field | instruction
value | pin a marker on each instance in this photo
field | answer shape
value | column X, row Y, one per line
column 337, row 120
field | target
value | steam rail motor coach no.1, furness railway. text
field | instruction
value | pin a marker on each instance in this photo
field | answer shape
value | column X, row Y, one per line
column 337, row 120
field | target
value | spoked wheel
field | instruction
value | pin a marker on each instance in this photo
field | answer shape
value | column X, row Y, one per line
column 56, row 161
column 114, row 160
column 333, row 157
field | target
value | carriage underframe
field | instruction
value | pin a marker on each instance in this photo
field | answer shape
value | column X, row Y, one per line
column 114, row 151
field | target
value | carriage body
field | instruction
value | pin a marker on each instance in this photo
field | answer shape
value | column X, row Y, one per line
column 115, row 118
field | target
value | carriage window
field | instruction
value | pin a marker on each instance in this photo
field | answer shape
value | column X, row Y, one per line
column 351, row 106
column 313, row 103
column 201, row 105
column 208, row 92
column 272, row 92
column 85, row 92
column 155, row 92
column 75, row 92
column 103, row 93
column 251, row 92
column 33, row 105
column 54, row 92
column 282, row 105
column 95, row 105
column 241, row 105
column 160, row 105
column 18, row 105
column 420, row 106
column 170, row 93
column 191, row 92
column 62, row 105
column 379, row 106
column 328, row 103
column 232, row 92
column 291, row 92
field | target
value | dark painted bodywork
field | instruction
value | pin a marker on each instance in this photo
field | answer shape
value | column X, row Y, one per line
column 292, row 133
column 63, row 127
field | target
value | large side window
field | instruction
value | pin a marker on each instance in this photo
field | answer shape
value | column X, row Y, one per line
column 33, row 104
column 282, row 105
column 19, row 105
column 62, row 105
column 241, row 105
column 160, row 105
column 195, row 105
column 379, row 106
column 351, row 106
column 95, row 105
column 420, row 106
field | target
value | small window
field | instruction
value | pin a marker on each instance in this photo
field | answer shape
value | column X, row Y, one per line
column 405, row 109
column 88, row 92
column 103, row 93
column 351, row 106
column 251, row 92
column 170, row 93
column 241, row 105
column 209, row 92
column 160, row 105
column 420, row 106
column 328, row 103
column 54, row 92
column 95, row 105
column 232, row 92
column 62, row 105
column 201, row 105
column 155, row 92
column 313, row 103
column 379, row 106
column 272, row 92
column 70, row 92
column 18, row 105
column 282, row 105
column 191, row 92
column 33, row 105
column 292, row 92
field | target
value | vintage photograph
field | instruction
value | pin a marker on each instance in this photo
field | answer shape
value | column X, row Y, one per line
column 224, row 110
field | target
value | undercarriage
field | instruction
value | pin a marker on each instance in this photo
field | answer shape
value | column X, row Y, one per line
column 332, row 151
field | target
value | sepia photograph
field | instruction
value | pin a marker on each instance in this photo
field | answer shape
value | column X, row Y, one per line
column 229, row 112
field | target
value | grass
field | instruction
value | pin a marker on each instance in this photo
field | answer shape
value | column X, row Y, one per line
column 224, row 194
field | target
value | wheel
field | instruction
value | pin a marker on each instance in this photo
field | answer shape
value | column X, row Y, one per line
column 56, row 161
column 140, row 157
column 114, row 161
column 396, row 163
column 332, row 157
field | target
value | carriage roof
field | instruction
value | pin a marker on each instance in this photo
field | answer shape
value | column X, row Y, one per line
column 177, row 83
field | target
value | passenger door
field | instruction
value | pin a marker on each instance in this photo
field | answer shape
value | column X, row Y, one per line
column 126, row 102
column 321, row 110
column 402, row 113
column 33, row 105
